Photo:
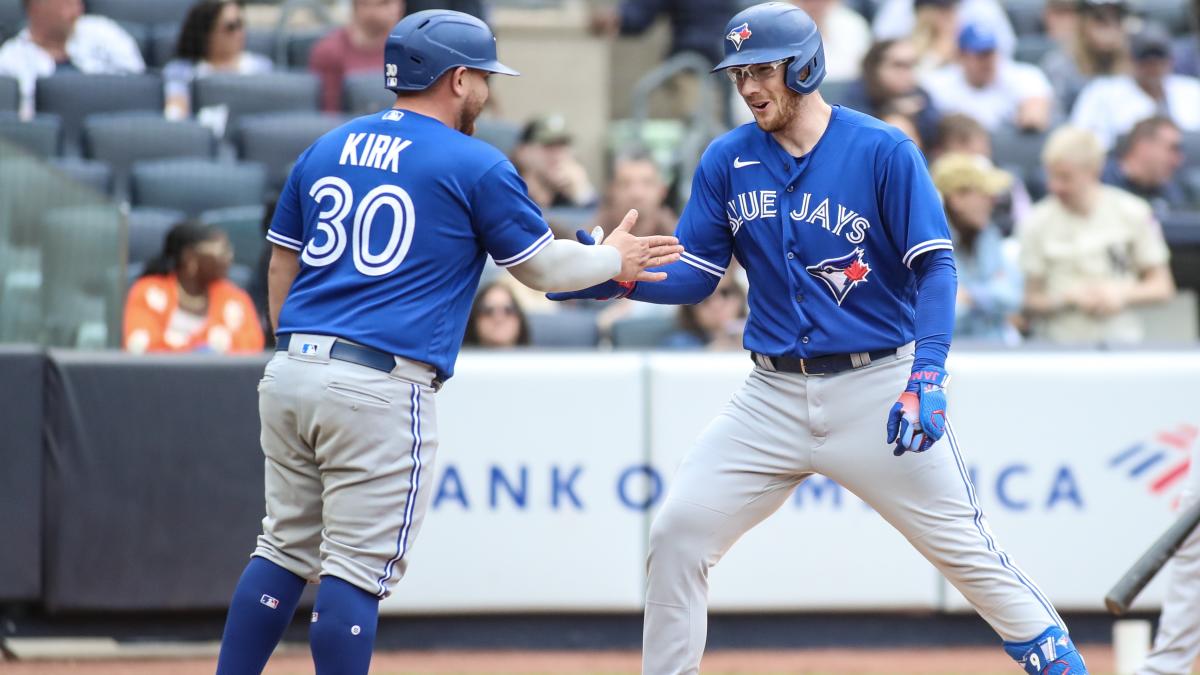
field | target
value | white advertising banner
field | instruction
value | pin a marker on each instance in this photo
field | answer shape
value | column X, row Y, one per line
column 534, row 492
column 550, row 467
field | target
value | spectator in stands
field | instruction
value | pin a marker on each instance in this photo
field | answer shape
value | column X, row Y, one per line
column 993, row 89
column 1187, row 48
column 1098, row 47
column 184, row 303
column 696, row 25
column 905, row 123
column 211, row 42
column 989, row 282
column 1061, row 19
column 1089, row 251
column 716, row 323
column 845, row 35
column 476, row 8
column 1147, row 162
column 60, row 38
column 546, row 161
column 934, row 25
column 355, row 48
column 962, row 134
column 496, row 319
column 889, row 86
column 1110, row 106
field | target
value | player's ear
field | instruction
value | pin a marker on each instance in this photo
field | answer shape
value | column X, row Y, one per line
column 458, row 81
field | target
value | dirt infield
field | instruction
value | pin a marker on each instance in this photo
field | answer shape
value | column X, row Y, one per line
column 976, row 661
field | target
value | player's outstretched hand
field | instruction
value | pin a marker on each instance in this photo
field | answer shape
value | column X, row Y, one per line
column 638, row 253
column 918, row 418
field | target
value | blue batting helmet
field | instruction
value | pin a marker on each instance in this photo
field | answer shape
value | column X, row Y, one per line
column 424, row 45
column 774, row 31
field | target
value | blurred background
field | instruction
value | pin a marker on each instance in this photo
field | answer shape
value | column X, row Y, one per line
column 143, row 142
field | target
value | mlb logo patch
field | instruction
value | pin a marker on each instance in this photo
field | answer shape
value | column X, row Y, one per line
column 269, row 602
column 309, row 349
column 739, row 35
column 393, row 116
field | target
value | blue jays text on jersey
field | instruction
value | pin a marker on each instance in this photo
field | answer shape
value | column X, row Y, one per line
column 827, row 239
column 394, row 215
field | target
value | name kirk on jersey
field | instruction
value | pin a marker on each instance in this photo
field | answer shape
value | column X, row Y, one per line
column 835, row 218
column 377, row 151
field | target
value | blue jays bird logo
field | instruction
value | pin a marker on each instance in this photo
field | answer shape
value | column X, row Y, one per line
column 842, row 274
column 739, row 35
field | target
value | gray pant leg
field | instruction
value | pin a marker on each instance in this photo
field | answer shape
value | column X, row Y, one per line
column 736, row 475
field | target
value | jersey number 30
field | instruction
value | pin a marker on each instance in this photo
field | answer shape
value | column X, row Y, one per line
column 331, row 223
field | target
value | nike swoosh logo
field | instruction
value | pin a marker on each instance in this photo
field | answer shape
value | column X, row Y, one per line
column 738, row 163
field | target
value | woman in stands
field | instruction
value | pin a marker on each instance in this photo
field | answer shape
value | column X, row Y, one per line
column 716, row 323
column 496, row 320
column 212, row 41
column 1100, row 46
column 184, row 303
column 889, row 87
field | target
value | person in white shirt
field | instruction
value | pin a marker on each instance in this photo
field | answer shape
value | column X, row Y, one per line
column 1110, row 106
column 212, row 41
column 59, row 37
column 897, row 19
column 845, row 35
column 995, row 90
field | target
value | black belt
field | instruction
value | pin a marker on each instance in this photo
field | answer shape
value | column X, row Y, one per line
column 346, row 351
column 822, row 365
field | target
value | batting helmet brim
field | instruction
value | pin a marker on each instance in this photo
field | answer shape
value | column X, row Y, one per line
column 495, row 67
column 754, row 56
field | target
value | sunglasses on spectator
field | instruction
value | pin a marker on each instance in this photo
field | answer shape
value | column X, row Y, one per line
column 757, row 72
column 728, row 293
column 503, row 310
column 233, row 26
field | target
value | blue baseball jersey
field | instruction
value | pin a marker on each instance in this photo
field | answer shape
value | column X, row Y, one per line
column 393, row 215
column 826, row 239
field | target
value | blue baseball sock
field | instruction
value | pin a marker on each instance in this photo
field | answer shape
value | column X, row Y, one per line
column 342, row 632
column 1051, row 653
column 262, row 607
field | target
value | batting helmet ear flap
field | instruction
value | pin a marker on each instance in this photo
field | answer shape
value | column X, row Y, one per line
column 814, row 76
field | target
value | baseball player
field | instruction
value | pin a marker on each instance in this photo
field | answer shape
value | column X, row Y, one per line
column 852, row 284
column 1177, row 643
column 379, row 239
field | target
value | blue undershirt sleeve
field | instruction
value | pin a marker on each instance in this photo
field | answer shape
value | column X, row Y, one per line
column 937, row 287
column 684, row 285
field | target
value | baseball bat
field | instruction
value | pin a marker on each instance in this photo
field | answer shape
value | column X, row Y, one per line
column 1122, row 594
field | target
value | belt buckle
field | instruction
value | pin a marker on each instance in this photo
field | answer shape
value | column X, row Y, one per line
column 803, row 367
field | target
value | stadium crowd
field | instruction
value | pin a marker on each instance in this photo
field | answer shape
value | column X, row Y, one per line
column 1062, row 135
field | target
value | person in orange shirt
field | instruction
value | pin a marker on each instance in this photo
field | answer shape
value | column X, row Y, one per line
column 184, row 303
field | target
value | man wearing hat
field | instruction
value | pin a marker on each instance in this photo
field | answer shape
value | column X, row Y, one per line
column 995, row 90
column 1110, row 106
column 548, row 164
column 1096, row 44
column 989, row 284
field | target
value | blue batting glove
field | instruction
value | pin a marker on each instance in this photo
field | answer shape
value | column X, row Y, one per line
column 607, row 290
column 918, row 418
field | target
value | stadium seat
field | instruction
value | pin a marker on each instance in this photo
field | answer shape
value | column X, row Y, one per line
column 89, row 172
column 164, row 38
column 12, row 16
column 566, row 328
column 1033, row 48
column 20, row 306
column 142, row 35
column 39, row 136
column 196, row 185
column 642, row 332
column 276, row 139
column 148, row 229
column 1191, row 149
column 10, row 94
column 80, row 254
column 365, row 94
column 120, row 139
column 300, row 45
column 501, row 134
column 262, row 41
column 142, row 11
column 74, row 96
column 1020, row 153
column 1190, row 177
column 244, row 225
column 1026, row 16
column 1173, row 321
column 1172, row 14
column 250, row 94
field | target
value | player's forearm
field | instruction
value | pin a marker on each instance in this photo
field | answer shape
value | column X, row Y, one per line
column 937, row 286
column 566, row 265
column 282, row 271
column 684, row 285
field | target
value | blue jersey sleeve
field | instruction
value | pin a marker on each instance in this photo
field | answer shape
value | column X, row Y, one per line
column 910, row 204
column 704, row 228
column 505, row 219
column 287, row 225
